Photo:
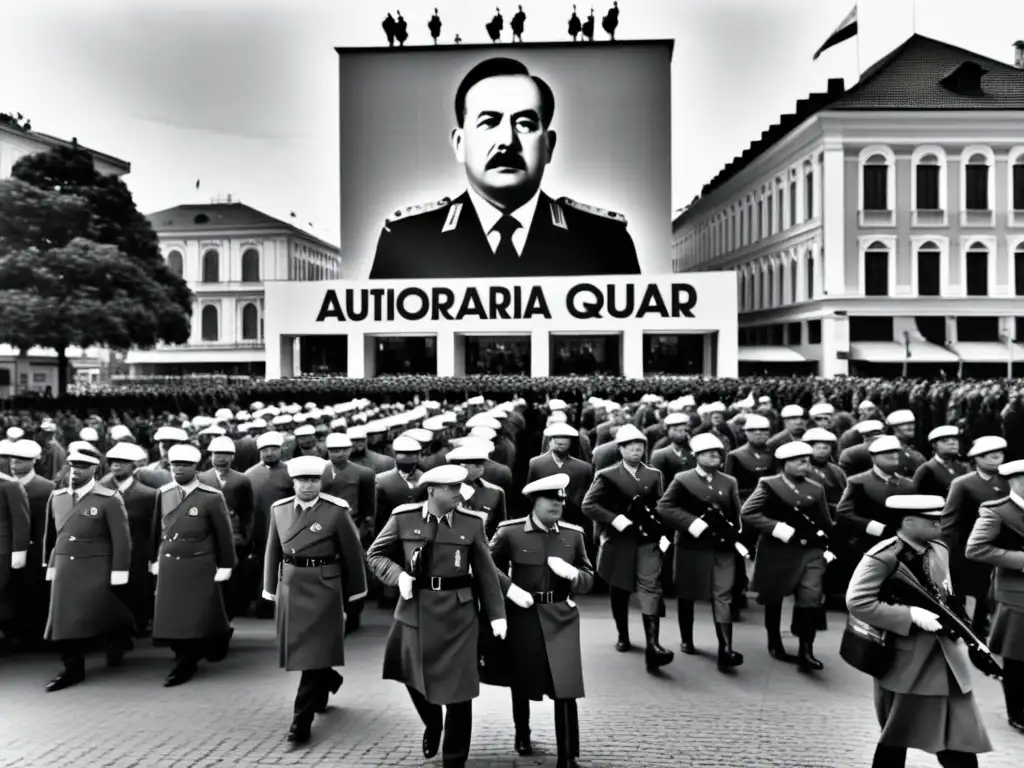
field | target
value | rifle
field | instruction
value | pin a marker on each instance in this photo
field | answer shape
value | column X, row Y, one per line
column 809, row 534
column 907, row 586
column 645, row 519
column 723, row 530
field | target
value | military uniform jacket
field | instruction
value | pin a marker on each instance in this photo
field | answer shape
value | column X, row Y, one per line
column 910, row 460
column 863, row 501
column 543, row 640
column 998, row 540
column 489, row 499
column 498, row 474
column 966, row 495
column 14, row 517
column 311, row 600
column 779, row 438
column 581, row 475
column 748, row 465
column 855, row 460
column 446, row 240
column 433, row 644
column 832, row 479
column 779, row 566
column 609, row 496
column 356, row 485
column 246, row 453
column 269, row 485
column 393, row 490
column 926, row 664
column 934, row 477
column 38, row 491
column 85, row 542
column 606, row 456
column 192, row 538
column 378, row 462
column 670, row 463
column 138, row 502
column 238, row 497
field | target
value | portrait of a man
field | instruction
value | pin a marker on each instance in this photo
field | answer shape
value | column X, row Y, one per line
column 503, row 224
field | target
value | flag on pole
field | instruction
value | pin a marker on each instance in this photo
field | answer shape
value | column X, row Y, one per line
column 847, row 28
column 197, row 183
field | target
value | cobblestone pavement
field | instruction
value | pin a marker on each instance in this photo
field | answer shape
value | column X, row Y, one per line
column 236, row 713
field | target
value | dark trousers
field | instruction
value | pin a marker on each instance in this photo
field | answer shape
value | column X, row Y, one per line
column 235, row 590
column 1013, row 688
column 188, row 653
column 567, row 724
column 314, row 688
column 457, row 722
column 896, row 757
column 72, row 652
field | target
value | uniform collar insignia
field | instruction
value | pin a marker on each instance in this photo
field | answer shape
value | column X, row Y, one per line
column 452, row 221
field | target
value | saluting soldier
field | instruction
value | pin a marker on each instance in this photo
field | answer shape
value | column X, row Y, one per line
column 313, row 566
column 477, row 494
column 925, row 701
column 792, row 515
column 936, row 475
column 88, row 552
column 903, row 426
column 437, row 554
column 856, row 458
column 621, row 502
column 549, row 566
column 195, row 553
column 973, row 579
column 998, row 541
column 695, row 501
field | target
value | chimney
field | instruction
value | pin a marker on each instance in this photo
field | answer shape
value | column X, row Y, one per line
column 836, row 87
column 1018, row 54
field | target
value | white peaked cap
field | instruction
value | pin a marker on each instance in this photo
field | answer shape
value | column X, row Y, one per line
column 927, row 506
column 405, row 444
column 119, row 432
column 792, row 412
column 675, row 419
column 705, row 442
column 242, row 416
column 471, row 450
column 339, row 423
column 865, row 405
column 434, row 424
column 1012, row 468
column 557, row 405
column 221, row 444
column 756, row 421
column 76, row 457
column 306, row 430
column 716, row 407
column 184, row 453
column 482, row 420
column 899, row 418
column 300, row 418
column 170, row 435
column 446, row 474
column 423, row 436
column 5, row 446
column 306, row 466
column 483, row 433
column 338, row 440
column 986, row 444
column 223, row 414
column 548, row 484
column 557, row 417
column 127, row 452
column 89, row 434
column 476, row 400
column 15, row 433
column 818, row 435
column 269, row 440
column 448, row 417
column 628, row 433
column 687, row 401
column 793, row 450
column 869, row 426
column 213, row 429
column 940, row 433
column 81, row 446
column 561, row 429
column 885, row 444
column 821, row 409
column 282, row 420
column 764, row 400
column 24, row 449
column 356, row 433
column 379, row 427
column 258, row 424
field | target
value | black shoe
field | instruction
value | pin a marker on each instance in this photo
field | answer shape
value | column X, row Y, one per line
column 778, row 651
column 688, row 648
column 805, row 657
column 1017, row 723
column 66, row 679
column 431, row 742
column 299, row 732
column 523, row 745
column 727, row 657
column 181, row 674
column 686, row 628
column 656, row 655
column 623, row 644
column 334, row 688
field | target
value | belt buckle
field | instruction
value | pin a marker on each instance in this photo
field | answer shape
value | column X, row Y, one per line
column 547, row 597
column 435, row 583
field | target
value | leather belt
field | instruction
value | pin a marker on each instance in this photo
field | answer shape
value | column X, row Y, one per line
column 550, row 597
column 311, row 562
column 442, row 583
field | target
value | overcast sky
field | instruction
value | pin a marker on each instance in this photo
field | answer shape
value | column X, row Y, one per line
column 242, row 94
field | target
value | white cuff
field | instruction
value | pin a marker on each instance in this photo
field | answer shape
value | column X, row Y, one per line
column 268, row 596
column 697, row 527
column 223, row 574
column 18, row 560
column 875, row 528
column 118, row 578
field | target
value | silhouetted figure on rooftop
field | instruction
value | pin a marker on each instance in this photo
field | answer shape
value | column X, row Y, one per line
column 575, row 25
column 611, row 21
column 389, row 29
column 495, row 25
column 401, row 30
column 434, row 25
column 588, row 27
column 458, row 39
column 518, row 23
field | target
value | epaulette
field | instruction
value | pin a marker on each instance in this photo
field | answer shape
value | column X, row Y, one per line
column 335, row 500
column 407, row 508
column 59, row 491
column 993, row 502
column 102, row 490
column 610, row 215
column 167, row 486
column 416, row 210
column 570, row 526
column 279, row 502
column 814, row 482
column 883, row 545
column 492, row 486
column 207, row 488
column 481, row 516
column 940, row 543
column 514, row 521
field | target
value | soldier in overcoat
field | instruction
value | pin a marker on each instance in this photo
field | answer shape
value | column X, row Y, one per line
column 903, row 425
column 558, row 460
column 794, row 423
column 542, row 564
column 477, row 494
column 791, row 514
column 705, row 561
column 925, row 700
column 677, row 456
column 437, row 554
column 936, row 475
column 972, row 578
column 313, row 566
column 856, row 458
column 15, row 529
column 998, row 541
column 88, row 551
column 270, row 483
column 394, row 488
column 195, row 553
column 827, row 473
column 621, row 502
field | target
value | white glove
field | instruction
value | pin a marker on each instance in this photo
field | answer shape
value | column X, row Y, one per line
column 697, row 527
column 783, row 532
column 621, row 523
column 118, row 578
column 154, row 568
column 562, row 568
column 830, row 556
column 664, row 544
column 18, row 560
column 875, row 528
column 925, row 619
column 519, row 596
column 405, row 582
column 50, row 573
column 743, row 551
column 222, row 574
column 270, row 597
column 500, row 628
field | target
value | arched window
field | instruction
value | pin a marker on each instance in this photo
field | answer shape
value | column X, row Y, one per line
column 251, row 266
column 808, row 190
column 769, row 294
column 1018, row 269
column 794, row 286
column 809, row 274
column 176, row 263
column 876, row 183
column 929, row 269
column 211, row 266
column 976, row 190
column 876, row 270
column 927, row 183
column 976, row 276
column 211, row 323
column 250, row 322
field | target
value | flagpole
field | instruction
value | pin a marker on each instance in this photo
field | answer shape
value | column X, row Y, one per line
column 857, row 8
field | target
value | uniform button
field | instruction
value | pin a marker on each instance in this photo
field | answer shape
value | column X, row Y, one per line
column 72, row 557
column 72, row 538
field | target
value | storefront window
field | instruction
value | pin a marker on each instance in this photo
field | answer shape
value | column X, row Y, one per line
column 323, row 354
column 397, row 355
column 497, row 354
column 673, row 354
column 586, row 355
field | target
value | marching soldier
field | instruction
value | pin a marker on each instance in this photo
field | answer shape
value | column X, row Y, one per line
column 400, row 485
column 833, row 480
column 478, row 495
column 792, row 516
column 360, row 454
column 158, row 473
column 437, row 555
column 621, row 503
column 903, row 426
column 549, row 566
column 558, row 460
column 998, row 541
column 794, row 425
column 15, row 531
column 925, row 700
column 856, row 458
column 935, row 476
column 703, row 506
column 313, row 566
column 677, row 456
column 34, row 592
column 195, row 553
column 270, row 483
column 88, row 551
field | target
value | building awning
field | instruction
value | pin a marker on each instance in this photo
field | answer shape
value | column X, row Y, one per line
column 770, row 355
column 895, row 352
column 987, row 352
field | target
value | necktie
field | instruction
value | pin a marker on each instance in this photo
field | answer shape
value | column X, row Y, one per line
column 181, row 494
column 506, row 251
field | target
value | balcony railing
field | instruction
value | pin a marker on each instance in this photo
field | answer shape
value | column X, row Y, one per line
column 247, row 344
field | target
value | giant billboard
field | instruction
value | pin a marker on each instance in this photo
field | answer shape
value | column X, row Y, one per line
column 493, row 162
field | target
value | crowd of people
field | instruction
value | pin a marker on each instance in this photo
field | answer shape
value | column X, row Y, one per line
column 479, row 508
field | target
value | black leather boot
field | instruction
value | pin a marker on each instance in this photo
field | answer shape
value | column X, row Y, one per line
column 567, row 733
column 333, row 687
column 773, row 625
column 806, row 621
column 73, row 674
column 521, row 718
column 656, row 656
column 620, row 612
column 727, row 657
column 686, row 627
column 299, row 733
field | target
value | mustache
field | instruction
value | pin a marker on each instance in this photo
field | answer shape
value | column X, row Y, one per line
column 506, row 160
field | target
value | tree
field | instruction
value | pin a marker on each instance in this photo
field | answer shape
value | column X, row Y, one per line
column 79, row 265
